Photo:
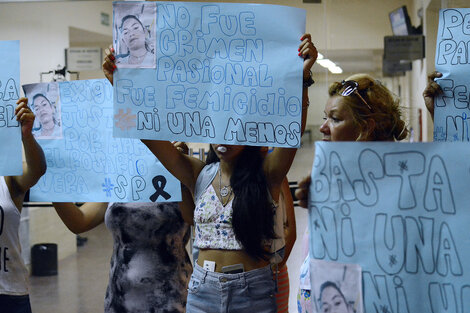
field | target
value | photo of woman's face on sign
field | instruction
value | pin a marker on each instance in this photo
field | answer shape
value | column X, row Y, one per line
column 134, row 35
column 44, row 101
column 337, row 287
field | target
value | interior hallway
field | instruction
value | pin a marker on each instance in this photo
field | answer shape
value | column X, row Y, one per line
column 82, row 278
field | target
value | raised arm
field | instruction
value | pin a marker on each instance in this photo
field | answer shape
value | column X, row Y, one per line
column 290, row 229
column 301, row 193
column 183, row 167
column 35, row 165
column 187, row 203
column 432, row 90
column 278, row 163
column 83, row 218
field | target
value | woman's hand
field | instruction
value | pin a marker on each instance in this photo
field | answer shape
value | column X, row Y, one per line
column 301, row 193
column 181, row 146
column 109, row 64
column 25, row 116
column 308, row 51
column 431, row 91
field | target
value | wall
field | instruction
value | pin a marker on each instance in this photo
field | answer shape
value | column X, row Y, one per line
column 43, row 30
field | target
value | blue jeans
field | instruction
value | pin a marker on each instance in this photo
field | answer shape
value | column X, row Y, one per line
column 212, row 292
column 15, row 304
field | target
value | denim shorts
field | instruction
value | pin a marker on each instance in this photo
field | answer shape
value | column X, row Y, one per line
column 213, row 292
column 15, row 304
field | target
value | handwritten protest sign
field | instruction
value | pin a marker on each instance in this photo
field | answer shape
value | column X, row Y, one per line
column 452, row 108
column 223, row 73
column 10, row 131
column 400, row 212
column 88, row 164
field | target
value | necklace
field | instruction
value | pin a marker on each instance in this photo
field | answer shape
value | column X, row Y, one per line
column 139, row 58
column 225, row 190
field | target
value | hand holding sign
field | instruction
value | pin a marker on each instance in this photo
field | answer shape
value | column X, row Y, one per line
column 309, row 52
column 88, row 164
column 452, row 105
column 24, row 116
column 109, row 64
column 219, row 77
column 432, row 90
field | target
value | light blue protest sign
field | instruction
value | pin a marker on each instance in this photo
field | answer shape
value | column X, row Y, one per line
column 213, row 72
column 84, row 161
column 10, row 131
column 400, row 213
column 452, row 107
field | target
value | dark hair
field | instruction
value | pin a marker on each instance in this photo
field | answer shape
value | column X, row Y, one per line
column 253, row 212
column 40, row 95
column 56, row 122
column 127, row 17
column 332, row 285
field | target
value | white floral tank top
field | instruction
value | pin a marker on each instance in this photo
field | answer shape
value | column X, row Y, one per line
column 214, row 223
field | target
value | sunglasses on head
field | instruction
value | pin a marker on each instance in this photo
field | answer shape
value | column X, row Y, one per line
column 349, row 87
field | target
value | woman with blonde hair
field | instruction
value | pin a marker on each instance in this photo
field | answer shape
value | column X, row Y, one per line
column 370, row 108
column 359, row 108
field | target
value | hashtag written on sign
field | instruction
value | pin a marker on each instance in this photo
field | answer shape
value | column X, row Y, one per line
column 125, row 120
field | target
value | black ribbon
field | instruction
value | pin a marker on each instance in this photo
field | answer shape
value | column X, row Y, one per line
column 159, row 183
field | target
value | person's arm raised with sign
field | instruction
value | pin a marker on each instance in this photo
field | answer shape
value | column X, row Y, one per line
column 14, row 290
column 35, row 165
column 234, row 196
column 431, row 91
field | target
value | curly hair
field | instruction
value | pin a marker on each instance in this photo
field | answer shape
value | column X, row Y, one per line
column 384, row 109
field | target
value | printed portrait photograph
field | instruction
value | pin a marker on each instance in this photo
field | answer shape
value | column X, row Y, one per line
column 44, row 101
column 134, row 35
column 337, row 287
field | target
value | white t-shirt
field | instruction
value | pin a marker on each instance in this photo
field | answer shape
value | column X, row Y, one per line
column 13, row 272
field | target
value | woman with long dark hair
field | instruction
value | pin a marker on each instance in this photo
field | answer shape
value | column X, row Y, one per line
column 235, row 192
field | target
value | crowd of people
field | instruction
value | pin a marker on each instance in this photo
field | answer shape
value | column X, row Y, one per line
column 238, row 200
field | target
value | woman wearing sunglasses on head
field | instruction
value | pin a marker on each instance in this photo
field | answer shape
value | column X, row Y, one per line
column 359, row 109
